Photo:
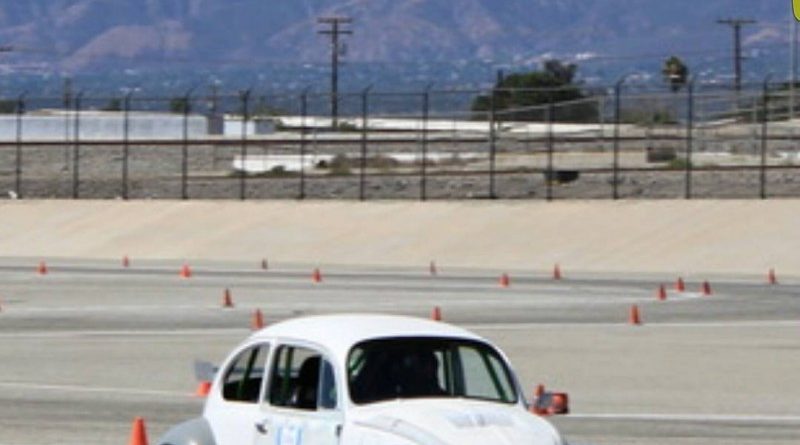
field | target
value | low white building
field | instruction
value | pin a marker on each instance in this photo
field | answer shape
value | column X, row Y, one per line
column 59, row 125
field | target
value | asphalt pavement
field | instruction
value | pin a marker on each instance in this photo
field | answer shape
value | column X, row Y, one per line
column 91, row 344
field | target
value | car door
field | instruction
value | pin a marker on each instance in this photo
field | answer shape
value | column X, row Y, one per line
column 302, row 405
column 232, row 409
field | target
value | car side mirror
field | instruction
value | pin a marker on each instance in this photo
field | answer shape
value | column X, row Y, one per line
column 549, row 403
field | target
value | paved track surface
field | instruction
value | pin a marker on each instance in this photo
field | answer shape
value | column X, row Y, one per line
column 90, row 345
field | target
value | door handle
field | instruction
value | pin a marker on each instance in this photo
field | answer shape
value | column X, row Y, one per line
column 262, row 427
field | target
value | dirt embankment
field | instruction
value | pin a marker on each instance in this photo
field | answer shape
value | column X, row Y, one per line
column 688, row 237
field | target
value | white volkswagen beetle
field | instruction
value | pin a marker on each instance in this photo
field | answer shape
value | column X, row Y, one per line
column 364, row 380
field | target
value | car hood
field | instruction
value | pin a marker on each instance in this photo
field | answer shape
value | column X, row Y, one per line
column 457, row 422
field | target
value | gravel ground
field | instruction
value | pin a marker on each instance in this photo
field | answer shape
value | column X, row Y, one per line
column 155, row 173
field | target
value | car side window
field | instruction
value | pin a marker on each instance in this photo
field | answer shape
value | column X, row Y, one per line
column 484, row 374
column 242, row 381
column 327, row 387
column 301, row 379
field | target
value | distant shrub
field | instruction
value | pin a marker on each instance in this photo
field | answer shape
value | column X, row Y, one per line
column 648, row 116
column 340, row 166
column 381, row 162
column 179, row 105
column 347, row 126
column 678, row 164
column 661, row 154
column 279, row 171
column 114, row 104
column 8, row 106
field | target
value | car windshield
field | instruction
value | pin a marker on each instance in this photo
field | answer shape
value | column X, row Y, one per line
column 401, row 368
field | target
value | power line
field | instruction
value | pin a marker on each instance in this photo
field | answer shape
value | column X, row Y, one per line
column 736, row 25
column 335, row 29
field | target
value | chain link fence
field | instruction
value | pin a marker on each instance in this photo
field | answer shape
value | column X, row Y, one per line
column 621, row 142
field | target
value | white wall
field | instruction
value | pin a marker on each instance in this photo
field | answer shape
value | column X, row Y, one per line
column 101, row 125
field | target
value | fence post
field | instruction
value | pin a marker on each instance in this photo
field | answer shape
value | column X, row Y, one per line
column 617, row 111
column 423, row 180
column 364, row 130
column 601, row 115
column 66, row 102
column 244, row 96
column 126, row 143
column 303, row 116
column 76, row 154
column 689, row 137
column 18, row 163
column 187, row 108
column 550, row 176
column 764, row 140
column 492, row 143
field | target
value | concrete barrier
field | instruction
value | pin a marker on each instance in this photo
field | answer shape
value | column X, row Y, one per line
column 667, row 237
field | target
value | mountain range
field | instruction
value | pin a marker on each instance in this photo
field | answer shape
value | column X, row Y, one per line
column 89, row 36
column 164, row 46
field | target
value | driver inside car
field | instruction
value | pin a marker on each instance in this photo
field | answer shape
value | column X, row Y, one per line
column 420, row 374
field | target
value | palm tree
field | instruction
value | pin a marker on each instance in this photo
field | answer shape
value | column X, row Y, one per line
column 675, row 72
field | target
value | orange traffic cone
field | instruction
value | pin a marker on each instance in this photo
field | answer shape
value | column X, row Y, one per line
column 706, row 289
column 203, row 388
column 264, row 264
column 505, row 280
column 680, row 286
column 771, row 278
column 126, row 262
column 662, row 293
column 316, row 276
column 138, row 433
column 186, row 271
column 432, row 269
column 42, row 269
column 257, row 320
column 633, row 316
column 227, row 300
column 436, row 313
column 557, row 272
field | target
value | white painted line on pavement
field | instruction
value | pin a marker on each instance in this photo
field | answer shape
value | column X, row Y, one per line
column 211, row 332
column 91, row 389
column 621, row 324
column 349, row 304
column 686, row 295
column 744, row 418
column 121, row 308
column 214, row 332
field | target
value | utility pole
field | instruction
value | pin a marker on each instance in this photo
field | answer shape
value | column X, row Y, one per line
column 335, row 28
column 67, row 107
column 736, row 25
column 793, row 68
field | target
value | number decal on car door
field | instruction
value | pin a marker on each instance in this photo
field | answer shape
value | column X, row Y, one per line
column 289, row 435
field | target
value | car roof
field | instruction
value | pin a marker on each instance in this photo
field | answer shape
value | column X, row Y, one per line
column 340, row 332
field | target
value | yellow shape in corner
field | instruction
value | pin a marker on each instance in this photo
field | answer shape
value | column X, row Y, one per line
column 796, row 8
